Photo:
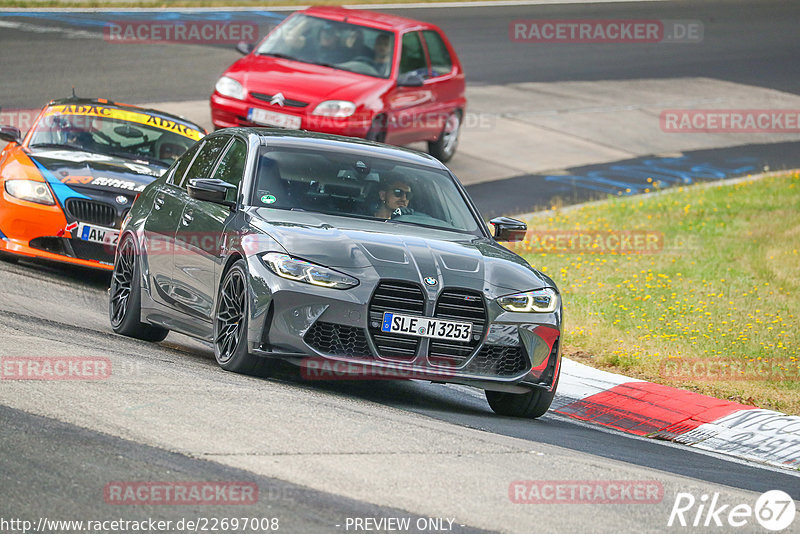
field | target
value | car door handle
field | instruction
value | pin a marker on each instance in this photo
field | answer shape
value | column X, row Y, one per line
column 158, row 202
column 187, row 218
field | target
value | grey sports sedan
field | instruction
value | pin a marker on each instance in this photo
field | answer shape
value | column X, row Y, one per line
column 349, row 258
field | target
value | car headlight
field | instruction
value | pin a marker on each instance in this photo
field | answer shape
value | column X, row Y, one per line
column 304, row 271
column 230, row 87
column 31, row 191
column 538, row 301
column 335, row 108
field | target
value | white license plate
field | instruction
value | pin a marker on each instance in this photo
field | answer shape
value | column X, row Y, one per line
column 411, row 325
column 271, row 118
column 97, row 234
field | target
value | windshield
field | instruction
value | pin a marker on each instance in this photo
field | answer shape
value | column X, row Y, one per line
column 332, row 182
column 334, row 44
column 114, row 132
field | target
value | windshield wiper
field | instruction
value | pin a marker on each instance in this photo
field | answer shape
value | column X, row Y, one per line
column 324, row 64
column 57, row 145
column 278, row 55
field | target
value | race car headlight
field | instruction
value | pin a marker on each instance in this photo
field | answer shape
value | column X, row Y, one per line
column 230, row 87
column 31, row 191
column 304, row 271
column 335, row 108
column 538, row 301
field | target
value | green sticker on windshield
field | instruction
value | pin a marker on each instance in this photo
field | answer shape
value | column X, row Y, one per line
column 268, row 199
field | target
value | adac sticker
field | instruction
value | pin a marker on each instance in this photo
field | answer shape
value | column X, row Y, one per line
column 125, row 115
column 268, row 199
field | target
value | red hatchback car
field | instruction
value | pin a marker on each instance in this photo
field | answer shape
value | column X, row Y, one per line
column 349, row 72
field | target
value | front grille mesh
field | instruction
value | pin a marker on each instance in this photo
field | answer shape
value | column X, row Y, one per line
column 92, row 212
column 458, row 305
column 338, row 340
column 497, row 360
column 398, row 297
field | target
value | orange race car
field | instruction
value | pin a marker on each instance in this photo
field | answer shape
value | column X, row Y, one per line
column 68, row 184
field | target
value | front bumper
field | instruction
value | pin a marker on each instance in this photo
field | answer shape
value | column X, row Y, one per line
column 36, row 231
column 327, row 332
column 229, row 112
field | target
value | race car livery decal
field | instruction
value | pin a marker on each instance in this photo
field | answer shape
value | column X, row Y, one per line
column 118, row 184
column 125, row 115
column 61, row 190
column 73, row 155
column 77, row 180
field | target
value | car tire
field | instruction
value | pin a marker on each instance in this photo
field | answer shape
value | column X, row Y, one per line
column 231, row 320
column 445, row 146
column 125, row 297
column 377, row 131
column 530, row 405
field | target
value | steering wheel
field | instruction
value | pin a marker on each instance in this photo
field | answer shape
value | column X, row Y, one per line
column 106, row 138
column 399, row 212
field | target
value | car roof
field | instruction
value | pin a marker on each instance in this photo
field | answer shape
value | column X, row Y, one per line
column 118, row 105
column 366, row 18
column 311, row 139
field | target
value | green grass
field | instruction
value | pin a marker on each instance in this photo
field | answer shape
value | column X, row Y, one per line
column 722, row 293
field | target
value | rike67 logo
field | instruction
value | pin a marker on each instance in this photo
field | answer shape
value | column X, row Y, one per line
column 773, row 510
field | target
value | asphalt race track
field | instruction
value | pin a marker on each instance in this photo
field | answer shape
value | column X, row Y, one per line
column 321, row 453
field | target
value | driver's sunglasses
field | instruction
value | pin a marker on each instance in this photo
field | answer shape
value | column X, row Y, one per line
column 403, row 193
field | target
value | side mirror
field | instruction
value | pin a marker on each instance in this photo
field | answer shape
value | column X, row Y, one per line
column 410, row 79
column 508, row 229
column 211, row 190
column 10, row 134
column 245, row 48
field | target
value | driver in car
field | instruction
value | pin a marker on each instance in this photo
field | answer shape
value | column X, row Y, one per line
column 382, row 60
column 395, row 195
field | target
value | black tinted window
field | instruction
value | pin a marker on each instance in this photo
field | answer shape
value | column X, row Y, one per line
column 440, row 57
column 231, row 166
column 206, row 158
column 412, row 56
column 186, row 160
column 350, row 185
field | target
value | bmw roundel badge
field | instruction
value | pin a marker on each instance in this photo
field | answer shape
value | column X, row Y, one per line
column 431, row 281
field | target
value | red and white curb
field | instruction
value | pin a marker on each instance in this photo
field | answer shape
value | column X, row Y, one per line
column 663, row 412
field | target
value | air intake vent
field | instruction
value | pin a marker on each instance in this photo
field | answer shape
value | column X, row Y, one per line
column 92, row 212
column 495, row 360
column 398, row 297
column 458, row 305
column 338, row 340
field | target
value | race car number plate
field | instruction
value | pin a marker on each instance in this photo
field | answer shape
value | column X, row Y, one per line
column 411, row 325
column 97, row 234
column 271, row 118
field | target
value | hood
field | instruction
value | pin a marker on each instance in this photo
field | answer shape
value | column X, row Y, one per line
column 90, row 173
column 302, row 81
column 399, row 251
